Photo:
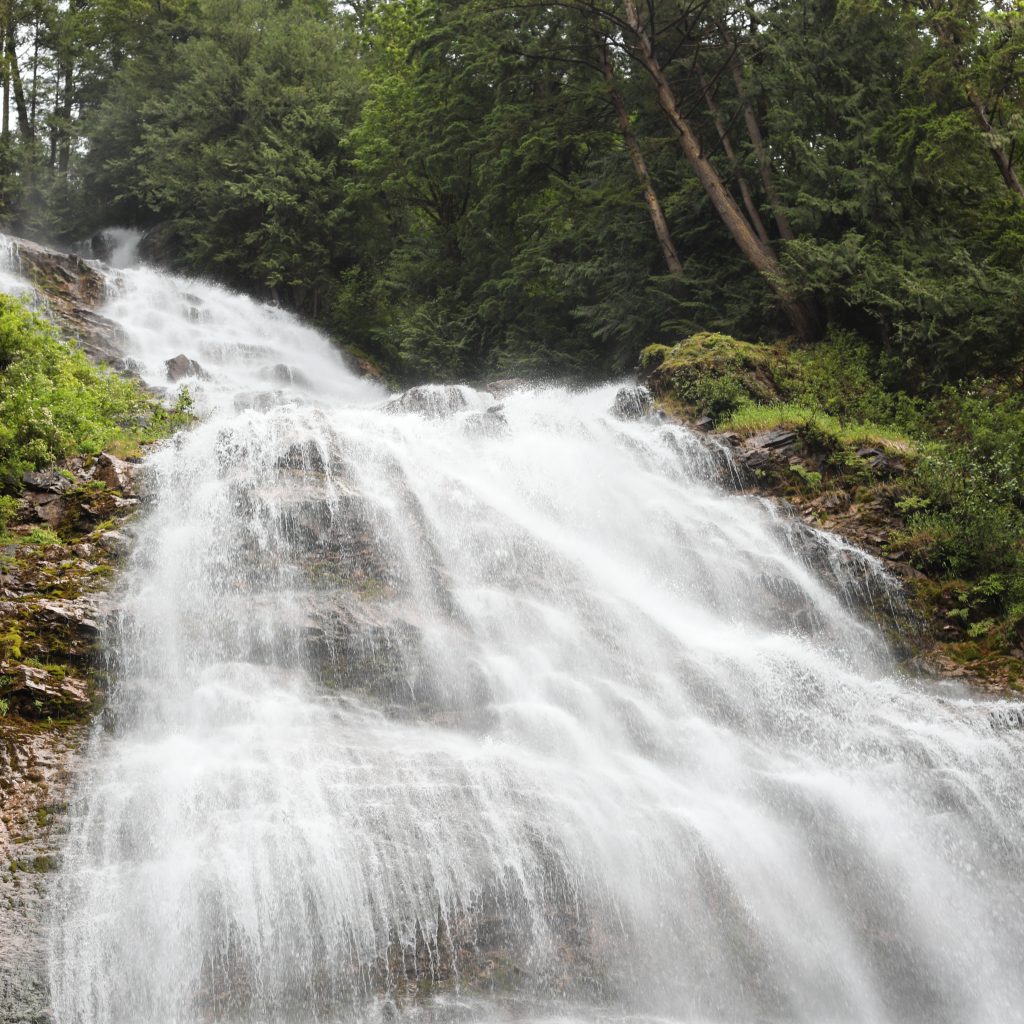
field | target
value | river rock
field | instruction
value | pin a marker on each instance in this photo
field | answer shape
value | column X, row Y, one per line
column 282, row 373
column 632, row 403
column 181, row 367
column 435, row 401
column 490, row 423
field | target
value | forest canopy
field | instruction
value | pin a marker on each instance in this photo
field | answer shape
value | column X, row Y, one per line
column 466, row 187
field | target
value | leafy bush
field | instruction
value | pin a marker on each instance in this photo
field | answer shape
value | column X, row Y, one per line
column 53, row 403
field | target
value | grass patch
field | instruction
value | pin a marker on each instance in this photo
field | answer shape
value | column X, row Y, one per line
column 753, row 419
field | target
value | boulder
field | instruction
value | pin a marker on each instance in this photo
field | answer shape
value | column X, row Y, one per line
column 181, row 367
column 49, row 481
column 45, row 507
column 632, row 403
column 435, row 401
column 490, row 423
column 117, row 474
column 500, row 388
column 282, row 373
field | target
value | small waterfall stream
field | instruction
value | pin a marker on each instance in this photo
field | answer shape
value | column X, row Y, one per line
column 437, row 710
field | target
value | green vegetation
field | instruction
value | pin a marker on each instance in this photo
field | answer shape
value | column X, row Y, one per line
column 461, row 188
column 959, row 498
column 55, row 404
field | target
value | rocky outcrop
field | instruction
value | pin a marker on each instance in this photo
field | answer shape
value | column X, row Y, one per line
column 821, row 478
column 70, row 292
column 53, row 610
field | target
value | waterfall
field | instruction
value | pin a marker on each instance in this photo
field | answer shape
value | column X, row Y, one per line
column 472, row 707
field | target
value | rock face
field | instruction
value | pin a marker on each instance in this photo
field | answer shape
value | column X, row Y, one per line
column 53, row 610
column 73, row 291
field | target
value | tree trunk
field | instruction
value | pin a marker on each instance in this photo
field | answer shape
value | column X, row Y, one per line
column 35, row 75
column 730, row 154
column 5, row 128
column 800, row 315
column 998, row 153
column 657, row 212
column 763, row 162
column 24, row 124
column 64, row 153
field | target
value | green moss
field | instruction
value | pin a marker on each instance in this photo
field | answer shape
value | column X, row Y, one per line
column 10, row 643
column 713, row 374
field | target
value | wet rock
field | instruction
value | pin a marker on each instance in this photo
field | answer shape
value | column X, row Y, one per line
column 281, row 373
column 258, row 401
column 501, row 388
column 303, row 456
column 360, row 365
column 705, row 424
column 115, row 543
column 181, row 367
column 435, row 401
column 73, row 290
column 128, row 368
column 490, row 423
column 38, row 693
column 632, row 403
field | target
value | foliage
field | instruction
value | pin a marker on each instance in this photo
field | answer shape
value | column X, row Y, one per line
column 53, row 403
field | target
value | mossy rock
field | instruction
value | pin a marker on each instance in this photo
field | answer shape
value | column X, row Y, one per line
column 713, row 374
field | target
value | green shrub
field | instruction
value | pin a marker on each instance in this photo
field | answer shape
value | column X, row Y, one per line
column 53, row 402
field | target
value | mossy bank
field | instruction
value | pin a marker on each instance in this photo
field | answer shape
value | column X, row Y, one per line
column 932, row 483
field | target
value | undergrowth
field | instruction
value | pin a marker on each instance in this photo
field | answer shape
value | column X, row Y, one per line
column 961, row 499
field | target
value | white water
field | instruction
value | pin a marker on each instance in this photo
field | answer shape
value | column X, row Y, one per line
column 536, row 712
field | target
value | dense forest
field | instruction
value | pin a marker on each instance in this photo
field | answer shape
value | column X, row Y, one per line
column 465, row 187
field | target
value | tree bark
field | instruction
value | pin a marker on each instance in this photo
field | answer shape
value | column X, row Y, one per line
column 800, row 314
column 998, row 153
column 763, row 161
column 657, row 212
column 5, row 127
column 64, row 153
column 24, row 124
column 748, row 197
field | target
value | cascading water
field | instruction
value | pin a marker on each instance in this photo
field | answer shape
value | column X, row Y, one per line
column 430, row 708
